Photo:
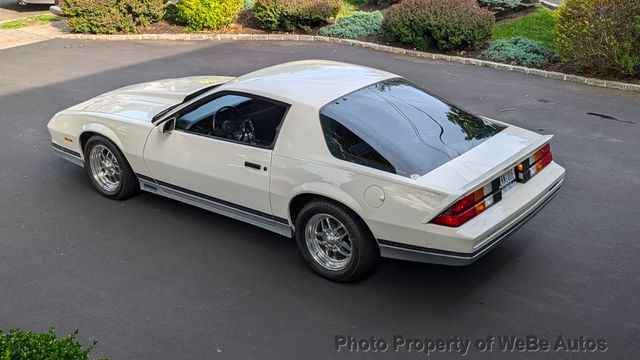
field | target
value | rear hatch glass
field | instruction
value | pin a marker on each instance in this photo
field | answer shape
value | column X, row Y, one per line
column 397, row 127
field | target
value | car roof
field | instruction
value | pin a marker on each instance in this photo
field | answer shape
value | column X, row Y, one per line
column 310, row 82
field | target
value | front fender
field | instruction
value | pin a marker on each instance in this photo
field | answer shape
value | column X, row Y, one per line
column 103, row 130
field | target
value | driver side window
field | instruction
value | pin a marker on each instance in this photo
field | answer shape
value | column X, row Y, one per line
column 236, row 117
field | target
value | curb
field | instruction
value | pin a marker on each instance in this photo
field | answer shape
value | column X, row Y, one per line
column 551, row 6
column 617, row 85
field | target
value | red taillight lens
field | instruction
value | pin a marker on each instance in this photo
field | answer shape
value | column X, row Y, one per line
column 455, row 220
column 463, row 204
column 466, row 208
column 534, row 163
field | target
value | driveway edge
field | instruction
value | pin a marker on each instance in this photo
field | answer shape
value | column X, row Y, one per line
column 617, row 85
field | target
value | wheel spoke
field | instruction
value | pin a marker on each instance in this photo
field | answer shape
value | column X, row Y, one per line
column 345, row 245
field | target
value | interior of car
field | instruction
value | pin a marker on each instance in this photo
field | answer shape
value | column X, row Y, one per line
column 236, row 117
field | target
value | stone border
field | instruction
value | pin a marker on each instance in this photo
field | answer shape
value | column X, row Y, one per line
column 618, row 85
column 550, row 5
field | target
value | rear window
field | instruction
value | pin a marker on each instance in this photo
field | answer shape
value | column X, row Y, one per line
column 397, row 127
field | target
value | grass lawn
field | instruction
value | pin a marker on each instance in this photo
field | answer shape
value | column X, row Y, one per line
column 538, row 26
column 33, row 20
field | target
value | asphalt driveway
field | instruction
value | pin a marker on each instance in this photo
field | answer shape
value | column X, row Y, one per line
column 151, row 278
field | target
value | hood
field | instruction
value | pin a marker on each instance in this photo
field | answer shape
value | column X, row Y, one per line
column 143, row 101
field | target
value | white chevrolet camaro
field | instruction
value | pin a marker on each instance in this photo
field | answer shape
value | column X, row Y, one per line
column 355, row 163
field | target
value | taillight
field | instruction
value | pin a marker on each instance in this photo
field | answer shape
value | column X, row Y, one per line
column 533, row 164
column 467, row 208
column 473, row 204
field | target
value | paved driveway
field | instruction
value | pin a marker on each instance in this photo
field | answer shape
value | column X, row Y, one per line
column 151, row 278
column 9, row 9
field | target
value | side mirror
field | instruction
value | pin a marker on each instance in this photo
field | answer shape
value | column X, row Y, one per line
column 168, row 126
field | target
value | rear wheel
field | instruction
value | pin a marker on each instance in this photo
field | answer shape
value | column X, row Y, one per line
column 334, row 242
column 108, row 170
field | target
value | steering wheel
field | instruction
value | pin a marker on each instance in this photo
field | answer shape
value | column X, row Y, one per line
column 227, row 121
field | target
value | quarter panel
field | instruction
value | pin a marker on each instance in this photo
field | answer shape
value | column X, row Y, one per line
column 400, row 218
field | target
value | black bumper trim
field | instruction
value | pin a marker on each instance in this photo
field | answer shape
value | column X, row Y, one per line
column 64, row 149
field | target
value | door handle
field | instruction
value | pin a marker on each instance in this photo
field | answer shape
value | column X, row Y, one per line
column 252, row 165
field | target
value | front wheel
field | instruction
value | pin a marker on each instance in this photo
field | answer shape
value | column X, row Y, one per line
column 335, row 242
column 108, row 169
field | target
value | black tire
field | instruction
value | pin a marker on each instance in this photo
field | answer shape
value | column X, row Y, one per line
column 364, row 249
column 128, row 185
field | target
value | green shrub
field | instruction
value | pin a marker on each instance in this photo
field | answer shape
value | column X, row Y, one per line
column 446, row 24
column 600, row 36
column 208, row 14
column 144, row 12
column 25, row 345
column 170, row 12
column 290, row 14
column 110, row 16
column 520, row 51
column 358, row 25
column 504, row 5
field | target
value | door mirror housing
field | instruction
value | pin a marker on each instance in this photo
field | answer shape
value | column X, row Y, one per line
column 168, row 126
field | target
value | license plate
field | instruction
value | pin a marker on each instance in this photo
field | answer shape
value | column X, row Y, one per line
column 507, row 180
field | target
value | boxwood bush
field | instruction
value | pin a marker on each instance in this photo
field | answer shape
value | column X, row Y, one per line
column 358, row 25
column 290, row 14
column 25, row 345
column 445, row 24
column 520, row 51
column 207, row 14
column 110, row 16
column 600, row 36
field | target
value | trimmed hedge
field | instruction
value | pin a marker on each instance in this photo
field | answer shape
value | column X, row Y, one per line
column 26, row 345
column 600, row 36
column 290, row 14
column 445, row 24
column 110, row 16
column 358, row 25
column 520, row 51
column 207, row 14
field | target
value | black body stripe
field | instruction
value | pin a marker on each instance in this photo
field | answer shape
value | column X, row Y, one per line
column 61, row 148
column 144, row 177
column 216, row 200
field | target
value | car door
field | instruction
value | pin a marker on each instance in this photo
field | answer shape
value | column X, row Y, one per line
column 218, row 172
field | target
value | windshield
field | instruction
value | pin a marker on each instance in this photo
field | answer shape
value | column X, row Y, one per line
column 397, row 127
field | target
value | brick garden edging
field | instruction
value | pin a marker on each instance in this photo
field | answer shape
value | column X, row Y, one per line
column 618, row 85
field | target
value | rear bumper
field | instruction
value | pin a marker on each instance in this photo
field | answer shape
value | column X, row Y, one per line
column 401, row 251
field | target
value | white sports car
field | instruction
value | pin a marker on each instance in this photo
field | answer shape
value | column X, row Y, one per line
column 355, row 163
